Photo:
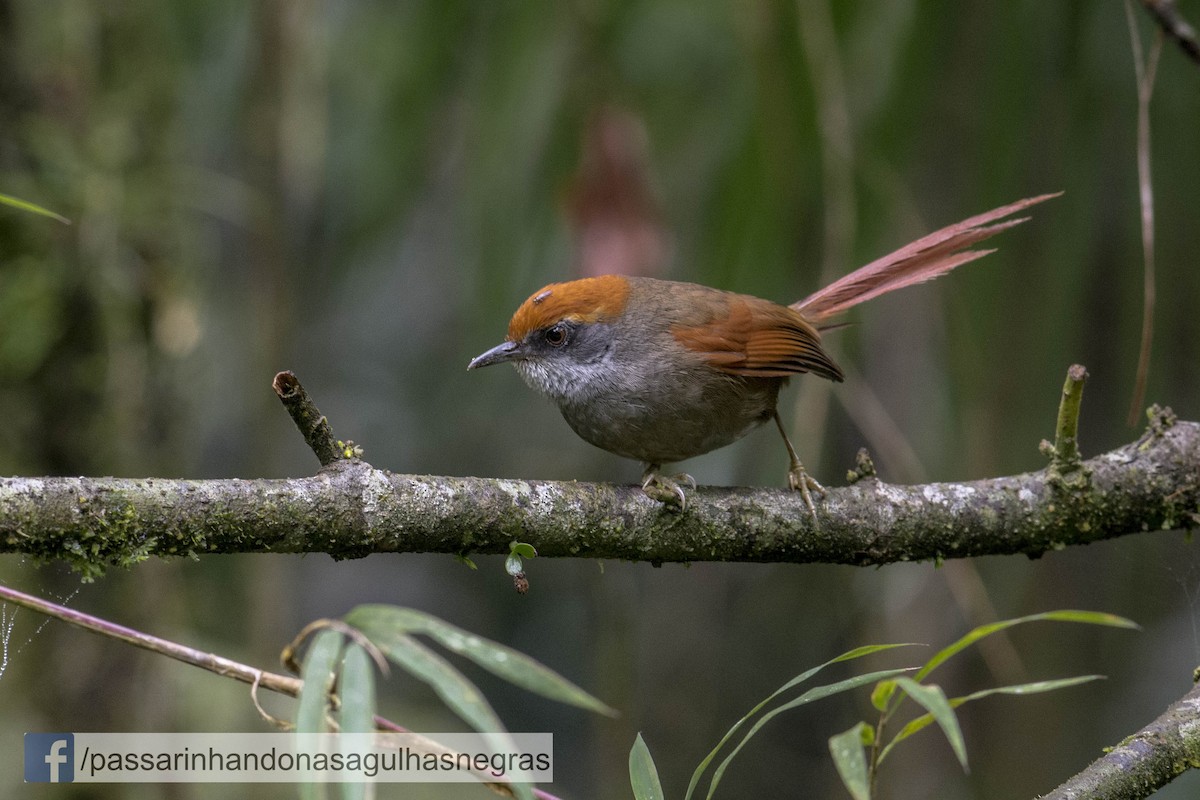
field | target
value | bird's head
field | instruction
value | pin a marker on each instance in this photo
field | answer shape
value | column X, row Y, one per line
column 558, row 338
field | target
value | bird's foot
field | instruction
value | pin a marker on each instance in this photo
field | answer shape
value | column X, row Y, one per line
column 798, row 478
column 667, row 490
column 800, row 481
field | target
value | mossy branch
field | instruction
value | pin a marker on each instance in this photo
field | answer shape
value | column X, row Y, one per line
column 1144, row 762
column 350, row 509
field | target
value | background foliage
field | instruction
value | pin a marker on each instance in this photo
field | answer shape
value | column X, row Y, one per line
column 363, row 191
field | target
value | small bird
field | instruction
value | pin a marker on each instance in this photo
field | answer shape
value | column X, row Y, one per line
column 661, row 371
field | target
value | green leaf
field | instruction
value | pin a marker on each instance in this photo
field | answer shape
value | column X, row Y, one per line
column 513, row 564
column 816, row 693
column 455, row 690
column 849, row 655
column 868, row 735
column 318, row 675
column 357, row 691
column 511, row 665
column 983, row 631
column 933, row 699
column 466, row 561
column 459, row 694
column 881, row 695
column 25, row 205
column 522, row 549
column 643, row 775
column 851, row 760
column 923, row 721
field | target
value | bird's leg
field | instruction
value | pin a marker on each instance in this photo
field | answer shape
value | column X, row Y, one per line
column 798, row 477
column 666, row 489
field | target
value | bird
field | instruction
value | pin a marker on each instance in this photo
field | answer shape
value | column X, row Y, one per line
column 660, row 371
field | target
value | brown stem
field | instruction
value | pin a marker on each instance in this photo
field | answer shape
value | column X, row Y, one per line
column 1145, row 69
column 313, row 427
column 188, row 655
column 220, row 665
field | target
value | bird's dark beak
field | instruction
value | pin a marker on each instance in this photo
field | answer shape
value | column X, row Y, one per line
column 508, row 351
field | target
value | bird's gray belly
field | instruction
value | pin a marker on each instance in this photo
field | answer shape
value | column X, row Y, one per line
column 664, row 427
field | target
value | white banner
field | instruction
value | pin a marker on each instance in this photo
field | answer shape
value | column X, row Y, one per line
column 288, row 757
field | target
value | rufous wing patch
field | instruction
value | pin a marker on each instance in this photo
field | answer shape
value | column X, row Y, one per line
column 758, row 338
column 584, row 300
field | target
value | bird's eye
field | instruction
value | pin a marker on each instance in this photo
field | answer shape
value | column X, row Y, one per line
column 557, row 335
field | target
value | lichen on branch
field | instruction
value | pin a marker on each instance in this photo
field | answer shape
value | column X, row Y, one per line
column 350, row 509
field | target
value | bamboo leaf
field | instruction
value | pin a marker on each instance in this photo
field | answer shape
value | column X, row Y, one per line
column 983, row 631
column 511, row 665
column 933, row 699
column 849, row 655
column 357, row 691
column 816, row 693
column 318, row 674
column 851, row 760
column 643, row 775
column 33, row 208
column 455, row 690
column 920, row 723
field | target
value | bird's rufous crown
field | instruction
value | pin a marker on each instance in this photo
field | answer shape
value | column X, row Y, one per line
column 584, row 300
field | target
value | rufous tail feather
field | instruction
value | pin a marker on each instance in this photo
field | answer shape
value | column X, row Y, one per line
column 923, row 260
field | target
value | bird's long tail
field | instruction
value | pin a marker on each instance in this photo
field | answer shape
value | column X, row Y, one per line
column 922, row 260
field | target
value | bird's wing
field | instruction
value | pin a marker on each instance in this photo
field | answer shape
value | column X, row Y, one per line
column 758, row 338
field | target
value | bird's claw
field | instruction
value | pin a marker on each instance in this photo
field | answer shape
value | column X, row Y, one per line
column 800, row 481
column 667, row 489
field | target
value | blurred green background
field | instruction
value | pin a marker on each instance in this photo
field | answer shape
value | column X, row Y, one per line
column 362, row 192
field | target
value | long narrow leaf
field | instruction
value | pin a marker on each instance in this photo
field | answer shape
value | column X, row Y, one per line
column 318, row 675
column 849, row 655
column 923, row 721
column 851, row 761
column 357, row 692
column 816, row 693
column 983, row 631
column 933, row 699
column 33, row 208
column 511, row 665
column 643, row 775
column 455, row 690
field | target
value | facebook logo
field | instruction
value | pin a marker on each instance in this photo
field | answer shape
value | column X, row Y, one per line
column 49, row 757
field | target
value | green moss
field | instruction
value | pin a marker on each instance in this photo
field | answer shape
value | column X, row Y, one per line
column 114, row 538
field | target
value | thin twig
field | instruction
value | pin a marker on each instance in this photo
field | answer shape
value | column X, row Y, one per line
column 188, row 655
column 220, row 665
column 313, row 427
column 1066, row 432
column 1145, row 70
column 1172, row 23
column 824, row 58
column 289, row 659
